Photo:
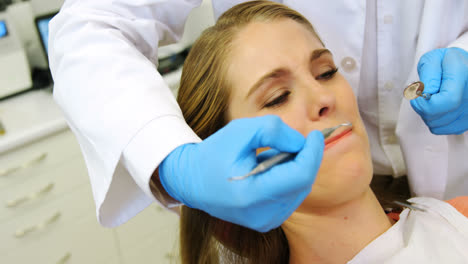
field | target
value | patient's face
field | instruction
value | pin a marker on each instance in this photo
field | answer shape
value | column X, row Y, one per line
column 304, row 89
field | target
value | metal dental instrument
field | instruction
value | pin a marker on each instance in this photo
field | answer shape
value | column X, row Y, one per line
column 407, row 205
column 415, row 90
column 281, row 157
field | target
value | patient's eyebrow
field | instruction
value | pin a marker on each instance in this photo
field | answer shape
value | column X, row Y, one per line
column 275, row 74
column 318, row 53
column 280, row 72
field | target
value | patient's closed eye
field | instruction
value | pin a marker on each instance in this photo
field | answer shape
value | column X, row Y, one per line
column 278, row 100
column 282, row 98
column 327, row 75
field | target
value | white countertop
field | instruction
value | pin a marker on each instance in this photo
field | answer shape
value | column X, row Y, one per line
column 33, row 115
column 28, row 117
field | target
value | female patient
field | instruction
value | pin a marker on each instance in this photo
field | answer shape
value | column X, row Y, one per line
column 263, row 58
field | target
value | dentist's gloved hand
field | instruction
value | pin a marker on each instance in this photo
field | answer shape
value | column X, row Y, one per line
column 197, row 174
column 444, row 73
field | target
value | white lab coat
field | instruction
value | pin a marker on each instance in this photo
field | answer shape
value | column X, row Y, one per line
column 127, row 121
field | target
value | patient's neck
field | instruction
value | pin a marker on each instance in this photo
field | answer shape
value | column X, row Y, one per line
column 335, row 235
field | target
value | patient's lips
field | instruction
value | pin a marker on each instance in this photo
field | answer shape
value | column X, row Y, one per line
column 337, row 136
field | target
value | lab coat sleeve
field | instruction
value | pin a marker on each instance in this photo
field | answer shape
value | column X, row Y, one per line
column 102, row 57
column 457, row 145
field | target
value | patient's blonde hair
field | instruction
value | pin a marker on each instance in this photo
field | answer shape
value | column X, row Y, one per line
column 203, row 97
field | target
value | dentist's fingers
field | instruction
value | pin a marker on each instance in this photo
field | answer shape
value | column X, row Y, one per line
column 276, row 134
column 444, row 73
column 294, row 177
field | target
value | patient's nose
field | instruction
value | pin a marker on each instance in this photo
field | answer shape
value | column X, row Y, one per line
column 321, row 102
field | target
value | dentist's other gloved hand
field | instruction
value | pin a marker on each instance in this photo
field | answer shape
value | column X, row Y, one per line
column 444, row 73
column 197, row 174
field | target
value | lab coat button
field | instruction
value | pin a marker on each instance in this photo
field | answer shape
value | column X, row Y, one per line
column 388, row 86
column 348, row 64
column 388, row 19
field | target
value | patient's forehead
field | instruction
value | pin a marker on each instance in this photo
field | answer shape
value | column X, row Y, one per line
column 260, row 34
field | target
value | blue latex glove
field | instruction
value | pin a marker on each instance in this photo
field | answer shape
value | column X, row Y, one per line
column 444, row 73
column 197, row 174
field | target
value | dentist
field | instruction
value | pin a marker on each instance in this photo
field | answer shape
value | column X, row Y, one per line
column 139, row 149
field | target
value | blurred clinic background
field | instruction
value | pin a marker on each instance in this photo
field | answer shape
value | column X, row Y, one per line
column 47, row 213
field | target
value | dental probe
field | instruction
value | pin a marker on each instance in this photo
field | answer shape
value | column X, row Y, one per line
column 409, row 206
column 283, row 156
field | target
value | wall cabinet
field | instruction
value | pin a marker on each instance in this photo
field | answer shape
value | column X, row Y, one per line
column 47, row 212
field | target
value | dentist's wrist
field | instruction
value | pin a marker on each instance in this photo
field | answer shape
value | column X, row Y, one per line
column 173, row 173
column 160, row 193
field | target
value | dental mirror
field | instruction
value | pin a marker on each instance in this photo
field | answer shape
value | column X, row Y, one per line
column 415, row 90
